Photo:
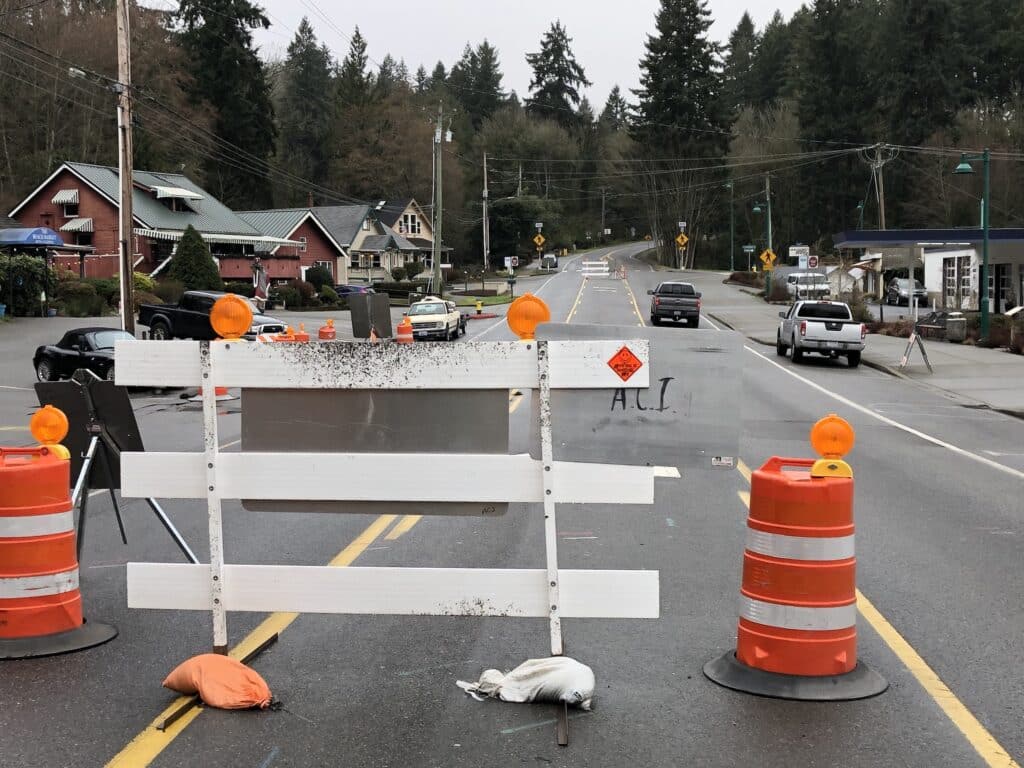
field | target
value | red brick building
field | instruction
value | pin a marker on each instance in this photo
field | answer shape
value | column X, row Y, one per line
column 314, row 245
column 81, row 202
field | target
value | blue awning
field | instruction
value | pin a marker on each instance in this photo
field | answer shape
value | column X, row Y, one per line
column 30, row 237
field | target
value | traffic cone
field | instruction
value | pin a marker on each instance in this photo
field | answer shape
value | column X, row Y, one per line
column 40, row 599
column 221, row 393
column 797, row 635
column 403, row 334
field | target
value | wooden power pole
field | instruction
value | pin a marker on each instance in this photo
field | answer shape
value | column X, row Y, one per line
column 124, row 140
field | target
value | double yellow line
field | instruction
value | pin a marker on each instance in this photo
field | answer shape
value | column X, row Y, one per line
column 984, row 743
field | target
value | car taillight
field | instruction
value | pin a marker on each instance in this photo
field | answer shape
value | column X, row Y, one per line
column 863, row 330
column 698, row 305
column 803, row 328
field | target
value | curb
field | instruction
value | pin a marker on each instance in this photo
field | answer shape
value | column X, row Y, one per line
column 483, row 316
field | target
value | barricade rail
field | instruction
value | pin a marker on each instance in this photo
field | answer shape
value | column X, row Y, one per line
column 215, row 475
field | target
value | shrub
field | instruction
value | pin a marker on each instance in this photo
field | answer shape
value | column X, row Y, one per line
column 107, row 288
column 290, row 296
column 412, row 269
column 753, row 279
column 193, row 265
column 398, row 274
column 319, row 277
column 145, row 297
column 779, row 291
column 241, row 288
column 305, row 290
column 328, row 295
column 169, row 291
column 30, row 278
column 80, row 299
column 859, row 307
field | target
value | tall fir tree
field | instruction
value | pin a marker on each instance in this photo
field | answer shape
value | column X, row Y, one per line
column 557, row 77
column 228, row 76
column 421, row 82
column 305, row 109
column 388, row 78
column 737, row 77
column 770, row 69
column 615, row 114
column 476, row 82
column 193, row 266
column 355, row 83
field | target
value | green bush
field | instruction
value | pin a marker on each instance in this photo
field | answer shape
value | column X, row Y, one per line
column 193, row 265
column 319, row 276
column 169, row 290
column 107, row 288
column 398, row 274
column 80, row 299
column 305, row 290
column 290, row 296
column 413, row 269
column 240, row 288
column 145, row 297
column 26, row 277
column 328, row 295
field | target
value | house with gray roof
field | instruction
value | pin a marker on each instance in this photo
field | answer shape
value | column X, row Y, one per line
column 315, row 244
column 81, row 201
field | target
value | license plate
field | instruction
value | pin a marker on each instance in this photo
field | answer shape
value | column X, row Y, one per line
column 676, row 314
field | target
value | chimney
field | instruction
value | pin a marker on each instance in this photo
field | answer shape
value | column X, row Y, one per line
column 309, row 199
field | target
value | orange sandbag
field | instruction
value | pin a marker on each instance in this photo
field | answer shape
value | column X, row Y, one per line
column 220, row 682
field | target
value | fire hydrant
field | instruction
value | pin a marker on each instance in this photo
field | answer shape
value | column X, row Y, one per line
column 479, row 307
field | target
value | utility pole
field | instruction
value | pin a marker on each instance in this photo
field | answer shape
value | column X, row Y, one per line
column 732, row 228
column 487, row 223
column 519, row 188
column 880, row 182
column 768, row 199
column 604, row 191
column 438, row 203
column 124, row 141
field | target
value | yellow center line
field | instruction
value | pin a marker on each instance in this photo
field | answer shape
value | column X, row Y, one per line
column 632, row 298
column 145, row 747
column 404, row 526
column 984, row 743
column 576, row 303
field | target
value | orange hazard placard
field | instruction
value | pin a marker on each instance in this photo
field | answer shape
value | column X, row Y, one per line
column 625, row 363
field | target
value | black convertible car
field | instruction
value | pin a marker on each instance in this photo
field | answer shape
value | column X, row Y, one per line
column 91, row 348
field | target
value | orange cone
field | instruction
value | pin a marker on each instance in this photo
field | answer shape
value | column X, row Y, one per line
column 40, row 600
column 797, row 635
column 403, row 334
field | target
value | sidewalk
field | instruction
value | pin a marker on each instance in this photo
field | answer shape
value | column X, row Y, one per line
column 987, row 377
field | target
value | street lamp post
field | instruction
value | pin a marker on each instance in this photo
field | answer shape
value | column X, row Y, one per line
column 963, row 168
column 732, row 228
column 860, row 210
column 767, row 204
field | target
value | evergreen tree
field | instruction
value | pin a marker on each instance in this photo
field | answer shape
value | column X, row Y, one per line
column 229, row 76
column 439, row 76
column 421, row 84
column 737, row 78
column 557, row 77
column 305, row 109
column 355, row 84
column 476, row 82
column 388, row 78
column 770, row 70
column 193, row 265
column 615, row 114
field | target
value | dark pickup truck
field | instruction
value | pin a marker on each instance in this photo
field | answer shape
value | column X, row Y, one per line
column 675, row 301
column 190, row 318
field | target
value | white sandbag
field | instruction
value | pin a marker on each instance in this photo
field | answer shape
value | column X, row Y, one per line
column 554, row 680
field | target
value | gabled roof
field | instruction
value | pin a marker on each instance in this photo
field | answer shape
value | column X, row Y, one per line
column 282, row 223
column 6, row 222
column 389, row 213
column 208, row 215
column 342, row 222
column 377, row 243
column 401, row 243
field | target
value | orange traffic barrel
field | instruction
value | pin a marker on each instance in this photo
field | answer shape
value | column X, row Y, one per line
column 40, row 600
column 403, row 334
column 301, row 335
column 327, row 331
column 797, row 635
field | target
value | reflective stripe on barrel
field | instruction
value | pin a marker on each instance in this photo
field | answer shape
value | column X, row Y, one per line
column 796, row 616
column 799, row 547
column 39, row 586
column 37, row 525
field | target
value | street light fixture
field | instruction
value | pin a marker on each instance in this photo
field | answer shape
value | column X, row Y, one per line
column 860, row 211
column 732, row 227
column 965, row 167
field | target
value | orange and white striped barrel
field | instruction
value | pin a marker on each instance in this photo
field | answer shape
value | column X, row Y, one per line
column 39, row 592
column 798, row 601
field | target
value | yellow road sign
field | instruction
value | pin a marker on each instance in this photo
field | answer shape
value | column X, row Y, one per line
column 682, row 240
column 767, row 257
column 538, row 239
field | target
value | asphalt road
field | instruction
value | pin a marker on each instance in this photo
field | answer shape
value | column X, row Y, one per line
column 938, row 544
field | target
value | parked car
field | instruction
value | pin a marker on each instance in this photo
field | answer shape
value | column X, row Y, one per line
column 190, row 318
column 89, row 348
column 347, row 290
column 675, row 301
column 434, row 318
column 824, row 327
column 808, row 285
column 898, row 292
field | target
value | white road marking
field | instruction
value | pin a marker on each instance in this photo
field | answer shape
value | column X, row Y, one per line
column 666, row 472
column 708, row 321
column 892, row 422
column 19, row 389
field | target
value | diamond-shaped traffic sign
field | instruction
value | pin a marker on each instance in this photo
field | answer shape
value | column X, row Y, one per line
column 625, row 363
column 538, row 239
column 682, row 240
column 768, row 257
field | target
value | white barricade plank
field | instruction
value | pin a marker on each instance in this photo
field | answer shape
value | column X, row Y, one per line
column 157, row 363
column 467, row 365
column 396, row 591
column 371, row 477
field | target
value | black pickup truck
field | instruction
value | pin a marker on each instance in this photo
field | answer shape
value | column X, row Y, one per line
column 190, row 318
column 675, row 301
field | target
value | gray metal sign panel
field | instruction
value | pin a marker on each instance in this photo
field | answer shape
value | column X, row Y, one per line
column 370, row 309
column 376, row 421
column 689, row 418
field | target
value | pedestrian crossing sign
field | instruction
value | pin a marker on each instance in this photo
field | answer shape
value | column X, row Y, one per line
column 682, row 240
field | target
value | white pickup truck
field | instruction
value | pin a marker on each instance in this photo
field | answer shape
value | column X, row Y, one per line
column 823, row 327
column 436, row 318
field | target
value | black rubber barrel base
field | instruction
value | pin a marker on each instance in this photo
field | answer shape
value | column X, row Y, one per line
column 89, row 635
column 859, row 683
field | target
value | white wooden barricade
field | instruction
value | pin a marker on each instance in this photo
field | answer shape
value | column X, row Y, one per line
column 595, row 268
column 213, row 475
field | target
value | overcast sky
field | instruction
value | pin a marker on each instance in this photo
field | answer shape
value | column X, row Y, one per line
column 608, row 38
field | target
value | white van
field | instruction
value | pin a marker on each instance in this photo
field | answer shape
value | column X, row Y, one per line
column 807, row 285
